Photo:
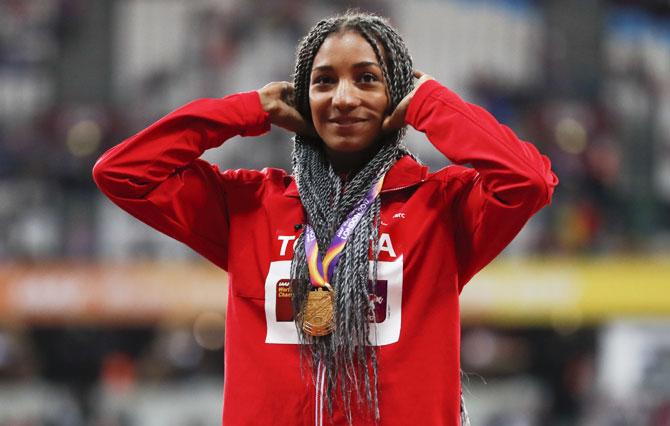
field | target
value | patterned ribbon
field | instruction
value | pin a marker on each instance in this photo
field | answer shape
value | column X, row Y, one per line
column 321, row 270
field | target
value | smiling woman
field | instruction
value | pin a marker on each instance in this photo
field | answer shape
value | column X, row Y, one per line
column 348, row 99
column 349, row 268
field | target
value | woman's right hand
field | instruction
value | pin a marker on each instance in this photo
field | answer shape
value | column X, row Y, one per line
column 277, row 101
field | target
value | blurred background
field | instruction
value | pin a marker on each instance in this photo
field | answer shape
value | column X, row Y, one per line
column 104, row 321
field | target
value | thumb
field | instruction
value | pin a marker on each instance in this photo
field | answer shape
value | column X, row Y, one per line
column 387, row 124
column 396, row 119
column 297, row 123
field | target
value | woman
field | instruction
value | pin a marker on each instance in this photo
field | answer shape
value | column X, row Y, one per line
column 348, row 270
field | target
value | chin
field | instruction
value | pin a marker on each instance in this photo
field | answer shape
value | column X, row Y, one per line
column 347, row 144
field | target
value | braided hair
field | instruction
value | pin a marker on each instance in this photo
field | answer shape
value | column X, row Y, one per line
column 346, row 354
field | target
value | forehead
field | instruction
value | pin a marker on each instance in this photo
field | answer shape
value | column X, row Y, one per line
column 348, row 47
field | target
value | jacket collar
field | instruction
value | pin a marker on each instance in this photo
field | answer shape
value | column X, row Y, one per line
column 406, row 172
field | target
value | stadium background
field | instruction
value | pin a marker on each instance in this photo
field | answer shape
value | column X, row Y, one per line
column 103, row 321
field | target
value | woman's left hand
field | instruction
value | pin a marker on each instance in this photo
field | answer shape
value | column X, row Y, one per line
column 396, row 119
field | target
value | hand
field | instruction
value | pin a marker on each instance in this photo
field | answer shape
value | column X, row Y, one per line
column 396, row 120
column 277, row 101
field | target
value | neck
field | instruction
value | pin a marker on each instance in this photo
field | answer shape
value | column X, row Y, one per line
column 348, row 163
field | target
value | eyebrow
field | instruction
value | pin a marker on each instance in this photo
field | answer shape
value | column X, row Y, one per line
column 356, row 65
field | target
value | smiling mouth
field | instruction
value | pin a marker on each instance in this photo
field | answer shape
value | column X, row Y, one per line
column 347, row 121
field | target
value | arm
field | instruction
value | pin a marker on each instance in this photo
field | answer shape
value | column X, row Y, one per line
column 511, row 180
column 157, row 175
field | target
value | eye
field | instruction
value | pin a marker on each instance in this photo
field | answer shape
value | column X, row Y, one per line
column 322, row 79
column 368, row 77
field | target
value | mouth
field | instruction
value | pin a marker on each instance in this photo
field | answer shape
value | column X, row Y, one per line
column 346, row 120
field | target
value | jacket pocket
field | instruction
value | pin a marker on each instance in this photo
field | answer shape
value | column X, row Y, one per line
column 247, row 289
column 274, row 282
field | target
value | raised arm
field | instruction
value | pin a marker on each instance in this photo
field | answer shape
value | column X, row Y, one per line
column 157, row 176
column 511, row 180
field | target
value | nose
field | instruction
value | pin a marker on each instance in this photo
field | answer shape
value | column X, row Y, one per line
column 345, row 96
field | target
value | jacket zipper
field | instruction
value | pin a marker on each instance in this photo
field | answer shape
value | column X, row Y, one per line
column 398, row 188
column 321, row 371
column 318, row 400
column 318, row 395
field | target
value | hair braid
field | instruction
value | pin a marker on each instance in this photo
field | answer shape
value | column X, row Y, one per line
column 346, row 353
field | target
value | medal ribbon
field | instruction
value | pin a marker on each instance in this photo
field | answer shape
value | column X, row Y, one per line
column 321, row 270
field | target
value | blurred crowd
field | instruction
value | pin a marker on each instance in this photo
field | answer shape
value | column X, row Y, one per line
column 588, row 82
column 77, row 77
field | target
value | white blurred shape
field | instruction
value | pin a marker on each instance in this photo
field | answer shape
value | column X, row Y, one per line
column 36, row 233
column 571, row 136
column 83, row 138
column 182, row 350
column 627, row 349
column 208, row 330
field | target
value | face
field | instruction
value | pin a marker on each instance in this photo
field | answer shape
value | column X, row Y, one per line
column 348, row 97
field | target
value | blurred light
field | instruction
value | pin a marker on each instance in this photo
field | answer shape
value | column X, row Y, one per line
column 182, row 350
column 5, row 350
column 571, row 136
column 479, row 348
column 84, row 138
column 208, row 330
column 36, row 232
column 566, row 324
column 118, row 372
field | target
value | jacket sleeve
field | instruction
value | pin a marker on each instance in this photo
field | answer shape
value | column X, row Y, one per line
column 157, row 176
column 509, row 182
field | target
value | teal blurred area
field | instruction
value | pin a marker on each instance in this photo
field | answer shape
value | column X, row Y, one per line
column 103, row 321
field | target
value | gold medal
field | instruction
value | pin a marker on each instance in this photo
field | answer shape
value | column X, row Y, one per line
column 318, row 317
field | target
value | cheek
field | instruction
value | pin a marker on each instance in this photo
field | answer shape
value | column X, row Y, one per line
column 316, row 108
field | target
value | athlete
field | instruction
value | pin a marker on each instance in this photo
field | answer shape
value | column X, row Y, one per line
column 344, row 275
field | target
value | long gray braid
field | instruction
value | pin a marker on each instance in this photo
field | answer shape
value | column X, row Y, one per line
column 347, row 353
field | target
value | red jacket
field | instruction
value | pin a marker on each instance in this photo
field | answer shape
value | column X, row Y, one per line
column 438, row 230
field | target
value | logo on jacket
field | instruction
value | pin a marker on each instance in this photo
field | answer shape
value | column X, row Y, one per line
column 284, row 302
column 386, row 296
column 287, row 243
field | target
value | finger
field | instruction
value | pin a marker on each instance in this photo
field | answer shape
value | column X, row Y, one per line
column 304, row 128
column 418, row 73
column 287, row 88
column 426, row 77
column 296, row 123
column 396, row 120
column 386, row 124
column 278, row 86
column 287, row 93
column 393, row 122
